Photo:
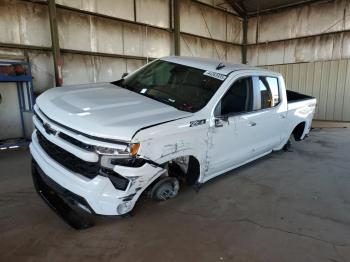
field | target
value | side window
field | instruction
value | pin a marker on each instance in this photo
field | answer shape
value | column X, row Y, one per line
column 269, row 92
column 274, row 87
column 238, row 99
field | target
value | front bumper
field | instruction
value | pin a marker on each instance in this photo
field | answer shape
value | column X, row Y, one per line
column 98, row 194
column 71, row 207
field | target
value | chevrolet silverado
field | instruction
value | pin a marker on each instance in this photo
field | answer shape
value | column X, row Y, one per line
column 97, row 147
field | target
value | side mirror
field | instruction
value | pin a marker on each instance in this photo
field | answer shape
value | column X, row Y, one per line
column 124, row 75
column 220, row 121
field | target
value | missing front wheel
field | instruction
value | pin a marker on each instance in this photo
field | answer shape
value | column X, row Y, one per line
column 165, row 188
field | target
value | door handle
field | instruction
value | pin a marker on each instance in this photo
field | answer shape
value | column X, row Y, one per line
column 282, row 116
column 252, row 124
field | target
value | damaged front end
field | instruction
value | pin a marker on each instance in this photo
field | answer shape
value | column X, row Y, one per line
column 111, row 186
column 121, row 188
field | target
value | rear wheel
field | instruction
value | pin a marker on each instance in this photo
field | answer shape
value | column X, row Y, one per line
column 290, row 142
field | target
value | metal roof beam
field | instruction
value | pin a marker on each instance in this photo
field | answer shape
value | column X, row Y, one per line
column 286, row 6
column 238, row 7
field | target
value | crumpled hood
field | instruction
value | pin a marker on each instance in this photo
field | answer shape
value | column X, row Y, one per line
column 105, row 110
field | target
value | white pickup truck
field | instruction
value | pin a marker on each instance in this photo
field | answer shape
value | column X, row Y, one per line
column 97, row 147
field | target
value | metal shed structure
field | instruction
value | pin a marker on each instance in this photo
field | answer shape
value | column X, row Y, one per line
column 97, row 148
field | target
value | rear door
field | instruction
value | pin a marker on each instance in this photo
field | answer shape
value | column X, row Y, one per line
column 270, row 115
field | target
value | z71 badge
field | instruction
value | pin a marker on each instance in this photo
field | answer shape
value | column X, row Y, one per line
column 197, row 122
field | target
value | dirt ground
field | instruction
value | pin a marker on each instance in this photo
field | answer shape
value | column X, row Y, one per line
column 289, row 206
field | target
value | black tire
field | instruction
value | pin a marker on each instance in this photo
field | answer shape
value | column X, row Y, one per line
column 289, row 144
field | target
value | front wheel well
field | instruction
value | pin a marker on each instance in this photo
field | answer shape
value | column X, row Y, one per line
column 185, row 167
column 298, row 131
column 193, row 171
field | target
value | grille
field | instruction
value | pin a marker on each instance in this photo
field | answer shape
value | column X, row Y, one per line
column 76, row 142
column 68, row 160
column 77, row 165
column 69, row 138
column 39, row 118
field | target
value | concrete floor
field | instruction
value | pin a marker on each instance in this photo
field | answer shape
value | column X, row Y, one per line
column 291, row 206
column 330, row 124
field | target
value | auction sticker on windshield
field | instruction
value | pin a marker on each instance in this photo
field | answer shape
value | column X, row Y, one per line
column 215, row 75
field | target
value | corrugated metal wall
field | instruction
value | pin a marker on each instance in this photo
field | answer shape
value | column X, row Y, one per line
column 83, row 32
column 137, row 30
column 223, row 27
column 102, row 39
column 310, row 45
column 328, row 81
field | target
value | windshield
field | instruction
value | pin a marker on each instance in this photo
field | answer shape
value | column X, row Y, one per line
column 183, row 87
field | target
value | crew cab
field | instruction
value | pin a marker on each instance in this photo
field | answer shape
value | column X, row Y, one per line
column 97, row 147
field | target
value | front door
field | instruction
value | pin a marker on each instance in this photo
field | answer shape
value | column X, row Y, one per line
column 229, row 144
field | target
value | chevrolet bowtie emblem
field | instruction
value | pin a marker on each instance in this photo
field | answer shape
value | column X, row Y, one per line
column 49, row 130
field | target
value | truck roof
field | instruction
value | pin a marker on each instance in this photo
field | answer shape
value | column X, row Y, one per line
column 210, row 64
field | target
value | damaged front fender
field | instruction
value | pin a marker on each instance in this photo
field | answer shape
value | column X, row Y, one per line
column 140, row 178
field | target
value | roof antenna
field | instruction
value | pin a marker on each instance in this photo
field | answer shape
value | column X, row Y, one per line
column 220, row 66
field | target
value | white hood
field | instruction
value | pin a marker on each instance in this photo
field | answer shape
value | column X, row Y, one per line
column 105, row 110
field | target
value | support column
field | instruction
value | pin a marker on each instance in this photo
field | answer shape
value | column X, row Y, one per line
column 176, row 13
column 57, row 60
column 245, row 39
column 135, row 11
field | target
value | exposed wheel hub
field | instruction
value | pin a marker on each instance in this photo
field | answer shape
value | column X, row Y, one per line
column 165, row 188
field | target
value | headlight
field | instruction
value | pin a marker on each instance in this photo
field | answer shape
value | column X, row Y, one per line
column 130, row 150
column 111, row 151
column 121, row 155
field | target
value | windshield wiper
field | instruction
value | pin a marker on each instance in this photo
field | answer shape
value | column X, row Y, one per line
column 169, row 101
column 118, row 82
column 182, row 107
column 166, row 101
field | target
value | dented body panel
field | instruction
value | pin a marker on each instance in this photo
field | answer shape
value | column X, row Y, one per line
column 100, row 124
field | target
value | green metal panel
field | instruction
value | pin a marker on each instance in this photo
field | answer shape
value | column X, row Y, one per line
column 289, row 76
column 346, row 107
column 283, row 70
column 324, row 87
column 302, row 77
column 339, row 95
column 309, row 78
column 328, row 81
column 332, row 87
column 316, row 85
column 295, row 80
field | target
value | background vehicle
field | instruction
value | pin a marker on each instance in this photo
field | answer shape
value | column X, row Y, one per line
column 97, row 147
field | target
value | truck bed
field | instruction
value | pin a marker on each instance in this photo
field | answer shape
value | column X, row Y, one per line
column 293, row 97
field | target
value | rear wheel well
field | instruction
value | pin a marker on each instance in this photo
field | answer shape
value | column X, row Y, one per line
column 299, row 131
